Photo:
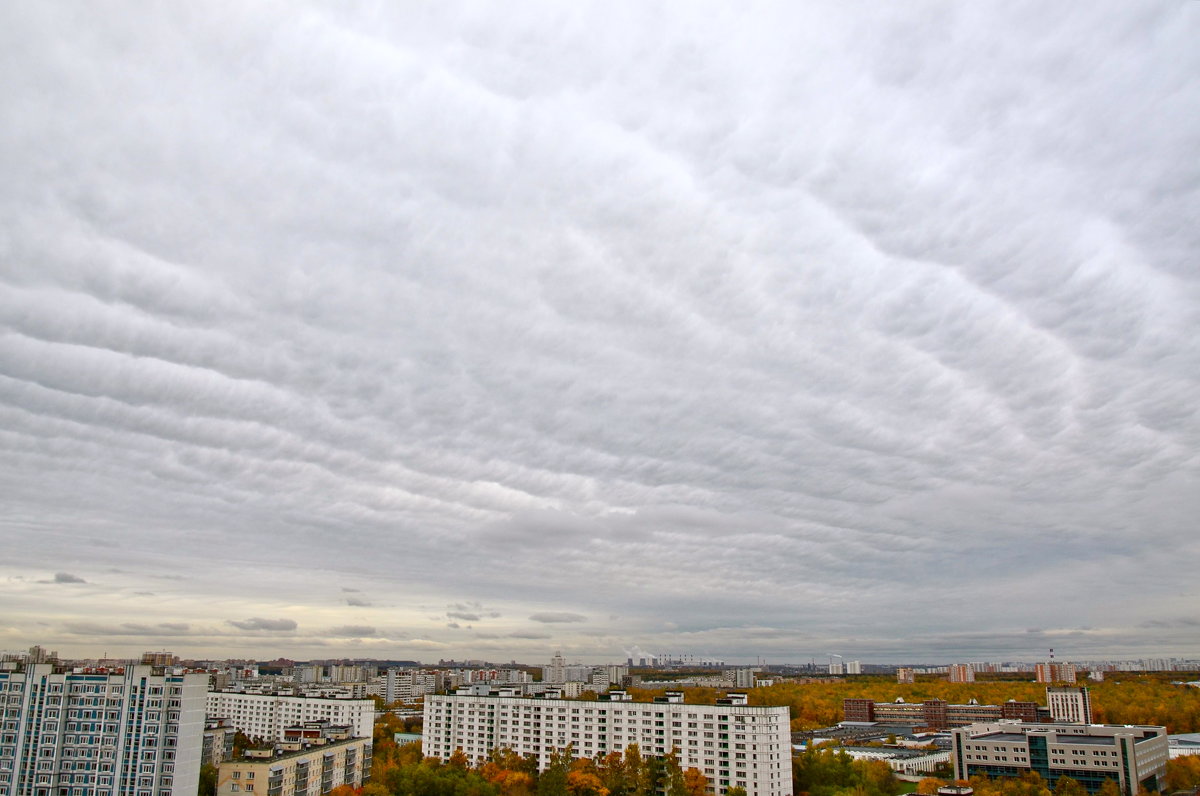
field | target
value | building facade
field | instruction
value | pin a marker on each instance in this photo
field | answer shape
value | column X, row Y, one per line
column 1132, row 756
column 731, row 743
column 1055, row 672
column 937, row 714
column 1069, row 704
column 219, row 734
column 961, row 673
column 134, row 731
column 297, row 768
column 408, row 685
column 266, row 716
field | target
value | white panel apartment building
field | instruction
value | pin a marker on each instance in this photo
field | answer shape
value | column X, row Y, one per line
column 732, row 743
column 267, row 715
column 122, row 732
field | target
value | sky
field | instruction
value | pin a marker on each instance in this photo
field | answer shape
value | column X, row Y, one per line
column 476, row 330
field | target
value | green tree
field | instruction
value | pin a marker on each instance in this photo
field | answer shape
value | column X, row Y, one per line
column 553, row 780
column 208, row 780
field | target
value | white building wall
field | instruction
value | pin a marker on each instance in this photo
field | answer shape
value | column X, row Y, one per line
column 731, row 744
column 98, row 732
column 267, row 715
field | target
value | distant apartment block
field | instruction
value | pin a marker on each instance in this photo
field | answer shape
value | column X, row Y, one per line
column 731, row 743
column 961, row 673
column 936, row 714
column 134, row 730
column 219, row 734
column 559, row 671
column 313, row 758
column 853, row 667
column 266, row 716
column 905, row 676
column 1055, row 672
column 408, row 685
column 1134, row 757
column 1069, row 704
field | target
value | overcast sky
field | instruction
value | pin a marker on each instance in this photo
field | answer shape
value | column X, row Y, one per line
column 490, row 330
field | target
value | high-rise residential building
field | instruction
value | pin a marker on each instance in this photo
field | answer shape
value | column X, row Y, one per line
column 1055, row 672
column 905, row 676
column 134, row 730
column 407, row 685
column 853, row 667
column 559, row 671
column 266, row 716
column 160, row 659
column 1069, row 704
column 962, row 673
column 1135, row 757
column 732, row 743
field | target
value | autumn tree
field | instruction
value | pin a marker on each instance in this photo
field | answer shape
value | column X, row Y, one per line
column 929, row 786
column 694, row 782
column 1067, row 786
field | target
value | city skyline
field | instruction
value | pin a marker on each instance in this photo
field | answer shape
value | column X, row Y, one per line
column 427, row 333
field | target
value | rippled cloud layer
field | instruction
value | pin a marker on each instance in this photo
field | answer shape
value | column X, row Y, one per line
column 463, row 331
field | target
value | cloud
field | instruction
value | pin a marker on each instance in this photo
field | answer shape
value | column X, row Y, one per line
column 258, row 623
column 64, row 577
column 676, row 355
column 353, row 631
column 551, row 617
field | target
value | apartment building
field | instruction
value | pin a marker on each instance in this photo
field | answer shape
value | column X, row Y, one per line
column 732, row 743
column 407, row 685
column 266, row 716
column 961, row 673
column 134, row 731
column 1055, row 672
column 1132, row 756
column 1069, row 704
column 314, row 758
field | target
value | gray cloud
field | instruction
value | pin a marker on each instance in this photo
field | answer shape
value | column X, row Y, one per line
column 892, row 308
column 353, row 631
column 65, row 577
column 258, row 623
column 557, row 617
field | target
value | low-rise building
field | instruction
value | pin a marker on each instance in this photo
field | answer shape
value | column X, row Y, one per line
column 218, row 740
column 1132, row 756
column 938, row 714
column 316, row 758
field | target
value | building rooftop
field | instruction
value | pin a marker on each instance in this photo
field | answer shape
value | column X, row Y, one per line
column 284, row 753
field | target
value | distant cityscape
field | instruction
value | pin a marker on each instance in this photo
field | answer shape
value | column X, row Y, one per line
column 150, row 726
